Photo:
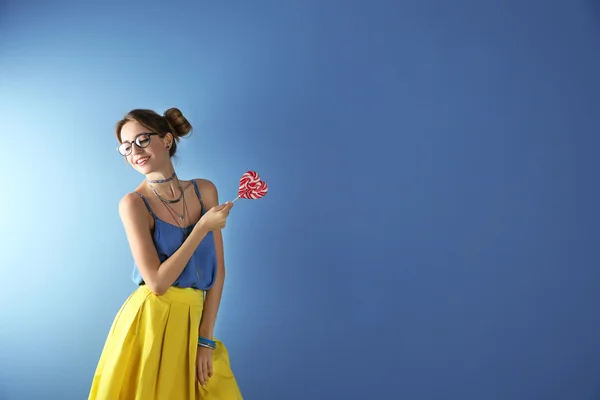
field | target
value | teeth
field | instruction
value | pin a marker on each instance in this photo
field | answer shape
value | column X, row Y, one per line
column 141, row 160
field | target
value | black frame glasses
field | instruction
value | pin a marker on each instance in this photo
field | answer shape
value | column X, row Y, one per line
column 126, row 148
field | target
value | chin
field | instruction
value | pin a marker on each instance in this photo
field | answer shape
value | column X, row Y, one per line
column 145, row 169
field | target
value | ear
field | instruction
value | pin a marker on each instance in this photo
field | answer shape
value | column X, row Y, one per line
column 168, row 140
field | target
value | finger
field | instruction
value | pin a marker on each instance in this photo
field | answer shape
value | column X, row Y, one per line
column 201, row 374
column 210, row 368
column 205, row 369
column 220, row 207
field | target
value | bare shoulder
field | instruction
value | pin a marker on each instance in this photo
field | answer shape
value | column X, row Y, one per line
column 135, row 218
column 130, row 205
column 206, row 184
column 209, row 192
column 134, row 213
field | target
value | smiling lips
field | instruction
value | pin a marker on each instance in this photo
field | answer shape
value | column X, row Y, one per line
column 142, row 160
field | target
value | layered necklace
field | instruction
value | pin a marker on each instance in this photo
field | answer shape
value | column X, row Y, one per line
column 167, row 203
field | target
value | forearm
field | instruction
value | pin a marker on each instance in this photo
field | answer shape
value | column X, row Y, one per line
column 168, row 272
column 211, row 305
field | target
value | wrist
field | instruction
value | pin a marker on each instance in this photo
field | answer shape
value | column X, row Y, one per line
column 207, row 343
column 201, row 227
column 206, row 333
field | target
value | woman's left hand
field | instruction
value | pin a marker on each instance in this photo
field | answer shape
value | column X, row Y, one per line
column 204, row 369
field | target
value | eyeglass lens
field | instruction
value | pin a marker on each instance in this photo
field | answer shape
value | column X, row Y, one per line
column 141, row 141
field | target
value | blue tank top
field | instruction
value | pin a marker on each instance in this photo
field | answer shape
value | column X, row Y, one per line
column 201, row 270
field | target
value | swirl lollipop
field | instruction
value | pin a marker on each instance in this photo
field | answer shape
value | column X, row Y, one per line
column 251, row 187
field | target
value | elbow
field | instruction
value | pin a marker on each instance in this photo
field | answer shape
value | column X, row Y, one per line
column 156, row 288
column 158, row 291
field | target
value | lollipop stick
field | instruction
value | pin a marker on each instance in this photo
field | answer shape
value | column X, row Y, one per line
column 233, row 201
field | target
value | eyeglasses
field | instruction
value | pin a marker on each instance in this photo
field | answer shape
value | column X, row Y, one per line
column 142, row 140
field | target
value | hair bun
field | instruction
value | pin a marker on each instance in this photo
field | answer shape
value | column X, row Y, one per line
column 179, row 123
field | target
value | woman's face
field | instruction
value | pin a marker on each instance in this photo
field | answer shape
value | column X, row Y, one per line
column 148, row 158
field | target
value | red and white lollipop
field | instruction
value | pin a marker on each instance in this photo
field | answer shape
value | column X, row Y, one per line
column 251, row 187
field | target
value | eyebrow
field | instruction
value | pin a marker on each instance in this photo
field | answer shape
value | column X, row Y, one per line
column 135, row 137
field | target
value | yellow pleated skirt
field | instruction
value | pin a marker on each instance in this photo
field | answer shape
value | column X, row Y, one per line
column 150, row 352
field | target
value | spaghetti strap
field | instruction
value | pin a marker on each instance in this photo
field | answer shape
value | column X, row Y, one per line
column 147, row 204
column 199, row 196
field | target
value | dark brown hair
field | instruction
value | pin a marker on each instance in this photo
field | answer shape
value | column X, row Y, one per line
column 172, row 121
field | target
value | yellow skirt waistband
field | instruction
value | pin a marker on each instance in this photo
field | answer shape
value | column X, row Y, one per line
column 189, row 296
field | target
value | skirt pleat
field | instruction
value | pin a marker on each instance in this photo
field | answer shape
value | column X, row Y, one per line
column 150, row 352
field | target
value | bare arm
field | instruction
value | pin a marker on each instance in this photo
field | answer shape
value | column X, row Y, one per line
column 213, row 296
column 158, row 277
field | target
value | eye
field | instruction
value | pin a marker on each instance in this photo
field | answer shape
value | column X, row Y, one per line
column 143, row 140
column 124, row 148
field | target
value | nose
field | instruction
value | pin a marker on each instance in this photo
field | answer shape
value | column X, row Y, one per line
column 135, row 149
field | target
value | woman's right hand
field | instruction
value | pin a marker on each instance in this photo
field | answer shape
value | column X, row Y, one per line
column 215, row 218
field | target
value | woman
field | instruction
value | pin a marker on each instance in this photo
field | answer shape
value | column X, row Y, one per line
column 160, row 345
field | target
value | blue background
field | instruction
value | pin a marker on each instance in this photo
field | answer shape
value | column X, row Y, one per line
column 431, row 228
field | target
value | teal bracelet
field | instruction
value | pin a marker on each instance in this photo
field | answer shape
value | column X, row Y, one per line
column 204, row 342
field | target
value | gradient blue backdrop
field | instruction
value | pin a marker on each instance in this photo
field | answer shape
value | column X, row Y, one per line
column 432, row 222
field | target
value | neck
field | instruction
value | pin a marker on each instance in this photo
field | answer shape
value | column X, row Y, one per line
column 164, row 183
